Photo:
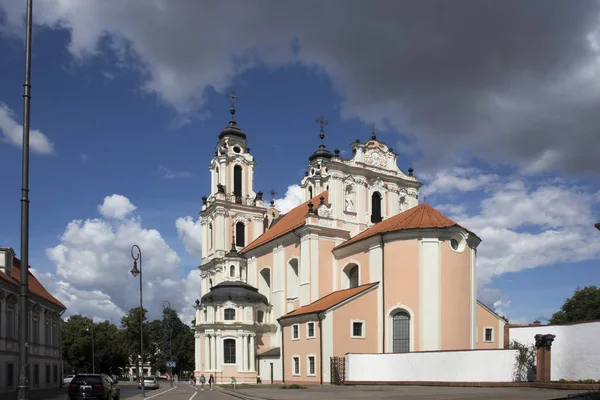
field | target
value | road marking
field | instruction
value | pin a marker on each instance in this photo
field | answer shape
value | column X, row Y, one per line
column 195, row 393
column 158, row 394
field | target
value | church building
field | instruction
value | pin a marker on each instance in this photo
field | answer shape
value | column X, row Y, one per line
column 360, row 267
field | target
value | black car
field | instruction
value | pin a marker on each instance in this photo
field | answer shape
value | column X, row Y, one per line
column 94, row 386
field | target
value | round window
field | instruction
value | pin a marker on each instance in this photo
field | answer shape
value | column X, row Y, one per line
column 454, row 244
column 236, row 149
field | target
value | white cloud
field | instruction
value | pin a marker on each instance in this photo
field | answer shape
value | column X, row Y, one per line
column 93, row 263
column 116, row 206
column 170, row 174
column 190, row 233
column 12, row 132
column 292, row 199
column 523, row 224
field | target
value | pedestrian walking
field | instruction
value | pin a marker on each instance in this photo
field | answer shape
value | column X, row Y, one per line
column 202, row 381
column 211, row 381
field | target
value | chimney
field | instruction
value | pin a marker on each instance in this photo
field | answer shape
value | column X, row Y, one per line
column 6, row 260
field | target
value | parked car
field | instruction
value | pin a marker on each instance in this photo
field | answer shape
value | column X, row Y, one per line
column 94, row 386
column 150, row 382
column 68, row 378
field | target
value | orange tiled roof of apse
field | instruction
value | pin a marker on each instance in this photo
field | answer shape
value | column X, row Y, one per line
column 35, row 286
column 422, row 216
column 294, row 219
column 332, row 299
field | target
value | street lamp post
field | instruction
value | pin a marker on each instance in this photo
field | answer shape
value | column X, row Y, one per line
column 93, row 354
column 167, row 307
column 135, row 272
column 23, row 386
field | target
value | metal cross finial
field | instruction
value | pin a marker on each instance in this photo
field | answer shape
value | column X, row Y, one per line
column 232, row 99
column 272, row 192
column 322, row 124
column 373, row 136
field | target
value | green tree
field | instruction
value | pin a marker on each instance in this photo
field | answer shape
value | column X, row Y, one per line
column 131, row 324
column 584, row 305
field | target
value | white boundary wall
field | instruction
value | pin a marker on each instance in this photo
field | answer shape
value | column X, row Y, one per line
column 444, row 366
column 575, row 350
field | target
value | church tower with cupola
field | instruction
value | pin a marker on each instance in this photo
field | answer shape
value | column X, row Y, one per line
column 230, row 311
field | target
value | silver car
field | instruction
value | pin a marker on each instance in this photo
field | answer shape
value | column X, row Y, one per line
column 150, row 382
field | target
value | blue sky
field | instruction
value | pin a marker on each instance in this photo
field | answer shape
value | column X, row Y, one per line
column 129, row 115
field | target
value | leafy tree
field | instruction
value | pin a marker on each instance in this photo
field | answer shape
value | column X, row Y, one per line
column 131, row 324
column 584, row 305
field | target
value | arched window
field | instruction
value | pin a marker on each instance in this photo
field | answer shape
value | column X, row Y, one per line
column 237, row 181
column 229, row 314
column 376, row 207
column 210, row 236
column 229, row 351
column 401, row 332
column 293, row 281
column 210, row 284
column 232, row 271
column 310, row 192
column 352, row 276
column 240, row 234
column 264, row 282
column 241, row 272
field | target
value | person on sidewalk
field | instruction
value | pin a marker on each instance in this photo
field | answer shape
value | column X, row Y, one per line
column 202, row 381
column 211, row 381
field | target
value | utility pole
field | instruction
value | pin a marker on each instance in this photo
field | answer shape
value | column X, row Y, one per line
column 23, row 386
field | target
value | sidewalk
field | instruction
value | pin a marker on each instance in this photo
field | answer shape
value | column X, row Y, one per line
column 36, row 394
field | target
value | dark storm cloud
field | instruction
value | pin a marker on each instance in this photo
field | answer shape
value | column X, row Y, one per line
column 509, row 81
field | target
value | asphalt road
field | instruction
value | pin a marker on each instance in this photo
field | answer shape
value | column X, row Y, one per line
column 181, row 391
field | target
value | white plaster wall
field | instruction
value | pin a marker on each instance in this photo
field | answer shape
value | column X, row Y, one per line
column 265, row 369
column 575, row 350
column 447, row 366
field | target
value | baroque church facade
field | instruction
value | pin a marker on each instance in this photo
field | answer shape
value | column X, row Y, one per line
column 359, row 267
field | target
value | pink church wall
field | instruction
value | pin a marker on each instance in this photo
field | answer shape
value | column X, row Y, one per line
column 325, row 267
column 359, row 309
column 456, row 298
column 263, row 343
column 402, row 278
column 303, row 347
column 487, row 319
column 262, row 261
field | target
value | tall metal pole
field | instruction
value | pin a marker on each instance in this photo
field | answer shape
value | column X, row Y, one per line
column 23, row 386
column 167, row 306
column 93, row 355
column 135, row 272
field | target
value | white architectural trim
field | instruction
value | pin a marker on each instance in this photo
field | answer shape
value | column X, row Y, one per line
column 389, row 331
column 473, row 299
column 292, row 332
column 294, row 371
column 429, row 294
column 314, row 357
column 314, row 330
column 501, row 324
column 363, row 329
column 485, row 328
column 327, row 334
column 314, row 267
column 376, row 275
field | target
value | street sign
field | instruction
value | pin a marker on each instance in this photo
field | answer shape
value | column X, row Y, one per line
column 171, row 364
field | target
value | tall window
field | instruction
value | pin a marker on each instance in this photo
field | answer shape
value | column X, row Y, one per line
column 237, row 181
column 229, row 314
column 293, row 281
column 210, row 236
column 310, row 192
column 353, row 276
column 47, row 332
column 35, row 329
column 311, row 365
column 55, row 334
column 229, row 351
column 376, row 207
column 240, row 234
column 232, row 271
column 401, row 332
column 10, row 322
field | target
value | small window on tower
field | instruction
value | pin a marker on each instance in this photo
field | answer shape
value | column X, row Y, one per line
column 236, row 149
column 229, row 314
column 240, row 234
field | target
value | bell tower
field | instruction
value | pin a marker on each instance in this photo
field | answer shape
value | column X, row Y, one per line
column 233, row 214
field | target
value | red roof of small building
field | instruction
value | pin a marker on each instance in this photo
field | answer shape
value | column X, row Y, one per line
column 331, row 300
column 422, row 216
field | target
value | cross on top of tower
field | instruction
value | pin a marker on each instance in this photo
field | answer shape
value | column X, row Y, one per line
column 373, row 136
column 272, row 192
column 232, row 99
column 322, row 123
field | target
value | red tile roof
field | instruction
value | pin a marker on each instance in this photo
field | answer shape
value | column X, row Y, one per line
column 331, row 300
column 287, row 223
column 35, row 287
column 422, row 216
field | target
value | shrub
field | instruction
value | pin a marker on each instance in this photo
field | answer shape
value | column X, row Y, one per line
column 524, row 363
